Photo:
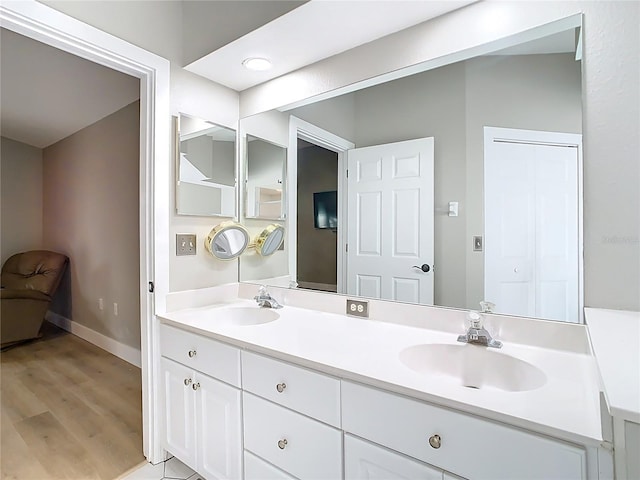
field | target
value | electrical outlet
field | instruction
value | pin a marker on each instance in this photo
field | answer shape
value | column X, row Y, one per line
column 185, row 244
column 358, row 308
column 115, row 309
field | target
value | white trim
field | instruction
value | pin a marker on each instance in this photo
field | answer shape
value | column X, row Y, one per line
column 540, row 137
column 298, row 128
column 120, row 350
column 44, row 24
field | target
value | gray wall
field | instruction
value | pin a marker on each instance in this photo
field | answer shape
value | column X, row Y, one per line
column 20, row 198
column 91, row 214
column 317, row 248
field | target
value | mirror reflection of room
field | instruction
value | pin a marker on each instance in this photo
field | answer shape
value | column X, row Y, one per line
column 532, row 87
column 206, row 168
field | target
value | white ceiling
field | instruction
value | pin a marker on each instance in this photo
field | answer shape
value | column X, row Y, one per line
column 47, row 95
column 314, row 31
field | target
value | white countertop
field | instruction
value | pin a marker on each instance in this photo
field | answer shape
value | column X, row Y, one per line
column 615, row 339
column 566, row 406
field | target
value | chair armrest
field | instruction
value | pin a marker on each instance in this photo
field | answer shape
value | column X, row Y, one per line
column 11, row 294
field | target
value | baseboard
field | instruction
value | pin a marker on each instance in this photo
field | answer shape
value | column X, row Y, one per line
column 325, row 287
column 125, row 352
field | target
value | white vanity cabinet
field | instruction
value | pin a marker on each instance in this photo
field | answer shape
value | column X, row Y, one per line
column 290, row 419
column 466, row 445
column 202, row 414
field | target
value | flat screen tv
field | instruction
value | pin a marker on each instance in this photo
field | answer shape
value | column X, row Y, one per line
column 325, row 209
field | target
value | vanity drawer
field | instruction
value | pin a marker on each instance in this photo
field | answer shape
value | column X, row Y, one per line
column 308, row 392
column 204, row 354
column 257, row 469
column 297, row 444
column 363, row 460
column 469, row 446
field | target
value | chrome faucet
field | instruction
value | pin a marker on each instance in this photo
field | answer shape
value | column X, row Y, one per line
column 477, row 334
column 265, row 300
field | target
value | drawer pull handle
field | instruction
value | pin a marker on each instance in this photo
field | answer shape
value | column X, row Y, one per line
column 282, row 443
column 196, row 386
column 435, row 441
column 192, row 353
column 187, row 381
column 280, row 387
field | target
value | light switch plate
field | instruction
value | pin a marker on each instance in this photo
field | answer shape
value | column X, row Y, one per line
column 477, row 243
column 358, row 308
column 185, row 244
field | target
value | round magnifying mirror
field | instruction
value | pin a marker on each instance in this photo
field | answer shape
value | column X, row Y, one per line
column 227, row 240
column 270, row 240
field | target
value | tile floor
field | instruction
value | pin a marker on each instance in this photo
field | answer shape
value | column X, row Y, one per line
column 172, row 469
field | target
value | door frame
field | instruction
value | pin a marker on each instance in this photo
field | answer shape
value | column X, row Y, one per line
column 48, row 26
column 539, row 137
column 299, row 128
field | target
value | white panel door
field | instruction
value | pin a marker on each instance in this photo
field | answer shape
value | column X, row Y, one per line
column 532, row 229
column 390, row 221
column 365, row 461
column 179, row 411
column 219, row 429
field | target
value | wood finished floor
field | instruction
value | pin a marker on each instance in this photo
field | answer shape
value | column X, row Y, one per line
column 69, row 410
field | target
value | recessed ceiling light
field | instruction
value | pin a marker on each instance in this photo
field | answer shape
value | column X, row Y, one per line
column 256, row 63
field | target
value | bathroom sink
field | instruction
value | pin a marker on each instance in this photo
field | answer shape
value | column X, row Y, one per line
column 473, row 366
column 244, row 316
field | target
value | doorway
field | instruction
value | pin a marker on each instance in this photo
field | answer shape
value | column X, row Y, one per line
column 317, row 222
column 41, row 23
column 533, row 223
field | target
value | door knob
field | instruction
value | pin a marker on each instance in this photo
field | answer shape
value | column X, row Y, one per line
column 424, row 267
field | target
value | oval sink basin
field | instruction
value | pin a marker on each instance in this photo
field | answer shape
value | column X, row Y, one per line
column 473, row 366
column 245, row 316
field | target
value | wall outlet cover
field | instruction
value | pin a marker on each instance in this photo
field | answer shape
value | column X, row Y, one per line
column 185, row 244
column 358, row 308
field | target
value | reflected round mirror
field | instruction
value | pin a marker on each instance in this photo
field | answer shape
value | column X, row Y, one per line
column 227, row 240
column 270, row 240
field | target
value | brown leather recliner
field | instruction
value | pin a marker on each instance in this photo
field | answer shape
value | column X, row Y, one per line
column 29, row 280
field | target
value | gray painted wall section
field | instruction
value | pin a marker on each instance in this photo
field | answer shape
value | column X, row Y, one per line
column 91, row 203
column 20, row 198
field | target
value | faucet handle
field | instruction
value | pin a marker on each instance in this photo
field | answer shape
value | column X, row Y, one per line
column 262, row 291
column 475, row 319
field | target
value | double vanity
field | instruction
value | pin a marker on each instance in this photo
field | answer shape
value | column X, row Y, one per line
column 306, row 391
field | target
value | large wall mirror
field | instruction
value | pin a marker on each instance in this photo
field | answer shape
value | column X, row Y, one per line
column 496, row 213
column 205, row 168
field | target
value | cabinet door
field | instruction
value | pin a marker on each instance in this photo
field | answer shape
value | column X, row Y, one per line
column 179, row 405
column 364, row 461
column 218, row 429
